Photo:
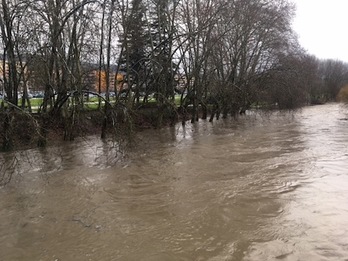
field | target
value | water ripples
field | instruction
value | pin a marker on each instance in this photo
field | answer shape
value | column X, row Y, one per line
column 260, row 187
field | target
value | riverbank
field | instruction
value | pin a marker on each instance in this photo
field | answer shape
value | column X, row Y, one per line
column 26, row 129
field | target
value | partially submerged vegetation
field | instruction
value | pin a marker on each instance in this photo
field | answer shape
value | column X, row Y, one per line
column 107, row 67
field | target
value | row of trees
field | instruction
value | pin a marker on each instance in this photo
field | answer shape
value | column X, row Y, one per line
column 222, row 55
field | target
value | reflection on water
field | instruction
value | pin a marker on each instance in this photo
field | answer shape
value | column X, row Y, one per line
column 263, row 187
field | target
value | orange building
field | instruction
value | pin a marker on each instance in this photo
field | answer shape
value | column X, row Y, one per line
column 119, row 78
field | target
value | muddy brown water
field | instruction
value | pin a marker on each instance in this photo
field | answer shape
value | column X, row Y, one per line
column 263, row 187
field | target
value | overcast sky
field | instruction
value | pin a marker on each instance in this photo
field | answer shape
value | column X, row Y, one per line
column 322, row 26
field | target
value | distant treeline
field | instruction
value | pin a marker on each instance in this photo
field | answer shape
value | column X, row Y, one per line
column 222, row 56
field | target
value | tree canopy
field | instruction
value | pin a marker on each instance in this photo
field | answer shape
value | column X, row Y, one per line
column 221, row 56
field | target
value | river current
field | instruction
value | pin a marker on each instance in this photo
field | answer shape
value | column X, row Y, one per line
column 264, row 186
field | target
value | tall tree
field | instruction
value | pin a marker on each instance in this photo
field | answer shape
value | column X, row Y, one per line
column 135, row 47
column 13, row 68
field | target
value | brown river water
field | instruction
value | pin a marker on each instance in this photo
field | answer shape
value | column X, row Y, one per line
column 262, row 187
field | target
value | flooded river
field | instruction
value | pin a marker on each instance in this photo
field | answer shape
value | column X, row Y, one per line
column 262, row 187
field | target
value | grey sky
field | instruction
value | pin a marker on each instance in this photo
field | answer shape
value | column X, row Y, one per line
column 322, row 27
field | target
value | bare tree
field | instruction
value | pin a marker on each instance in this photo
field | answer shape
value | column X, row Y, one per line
column 334, row 76
column 13, row 66
column 222, row 56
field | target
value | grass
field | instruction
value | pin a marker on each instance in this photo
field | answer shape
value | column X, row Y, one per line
column 92, row 103
column 36, row 102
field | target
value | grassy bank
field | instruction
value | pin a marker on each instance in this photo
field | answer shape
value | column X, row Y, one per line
column 91, row 103
column 22, row 129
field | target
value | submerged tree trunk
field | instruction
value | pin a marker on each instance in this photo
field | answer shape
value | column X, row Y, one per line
column 42, row 141
column 204, row 111
column 7, row 142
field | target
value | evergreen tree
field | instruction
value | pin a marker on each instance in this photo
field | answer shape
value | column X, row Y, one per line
column 135, row 42
column 161, row 36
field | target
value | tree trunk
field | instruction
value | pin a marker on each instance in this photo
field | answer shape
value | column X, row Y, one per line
column 7, row 143
column 42, row 142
